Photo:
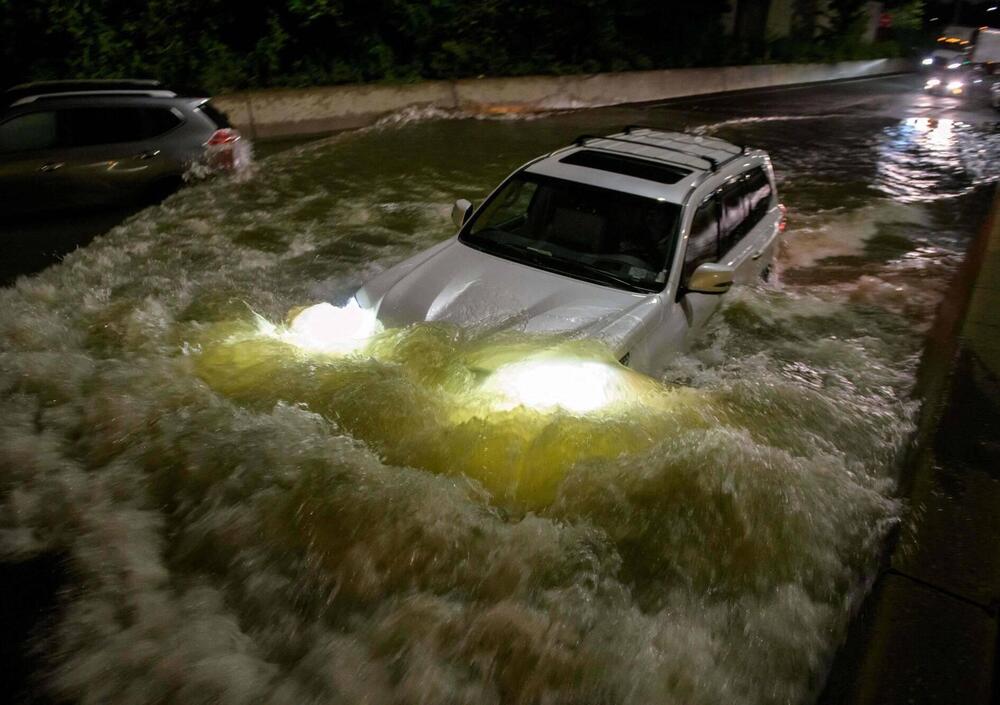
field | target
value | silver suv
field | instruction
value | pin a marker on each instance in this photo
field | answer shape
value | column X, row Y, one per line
column 629, row 239
column 84, row 143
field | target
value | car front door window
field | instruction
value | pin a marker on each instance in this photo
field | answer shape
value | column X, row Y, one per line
column 30, row 132
column 703, row 240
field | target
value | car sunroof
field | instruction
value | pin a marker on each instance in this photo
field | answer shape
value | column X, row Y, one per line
column 627, row 166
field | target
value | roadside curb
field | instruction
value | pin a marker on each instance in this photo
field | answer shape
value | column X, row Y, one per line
column 927, row 632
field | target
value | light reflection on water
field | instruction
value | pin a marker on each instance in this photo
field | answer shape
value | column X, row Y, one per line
column 927, row 159
column 245, row 524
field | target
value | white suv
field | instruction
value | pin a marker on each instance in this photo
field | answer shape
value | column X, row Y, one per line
column 629, row 239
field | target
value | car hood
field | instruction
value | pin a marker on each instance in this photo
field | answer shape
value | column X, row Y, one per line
column 458, row 284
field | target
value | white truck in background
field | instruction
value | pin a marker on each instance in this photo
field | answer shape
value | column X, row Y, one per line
column 958, row 47
column 952, row 49
column 963, row 60
column 986, row 50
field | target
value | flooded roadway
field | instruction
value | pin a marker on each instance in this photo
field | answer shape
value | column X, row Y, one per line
column 245, row 525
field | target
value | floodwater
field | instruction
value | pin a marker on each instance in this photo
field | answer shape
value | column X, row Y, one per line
column 245, row 522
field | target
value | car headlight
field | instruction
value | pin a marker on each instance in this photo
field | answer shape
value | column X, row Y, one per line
column 954, row 85
column 577, row 386
column 932, row 83
column 928, row 61
column 332, row 329
column 955, row 65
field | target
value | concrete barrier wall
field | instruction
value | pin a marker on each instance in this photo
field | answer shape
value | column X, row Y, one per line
column 288, row 112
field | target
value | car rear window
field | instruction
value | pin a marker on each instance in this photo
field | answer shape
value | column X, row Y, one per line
column 627, row 166
column 215, row 115
column 84, row 127
column 160, row 120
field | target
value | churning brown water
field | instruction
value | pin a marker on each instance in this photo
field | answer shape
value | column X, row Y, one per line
column 245, row 524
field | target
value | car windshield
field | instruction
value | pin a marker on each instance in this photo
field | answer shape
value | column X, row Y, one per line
column 607, row 237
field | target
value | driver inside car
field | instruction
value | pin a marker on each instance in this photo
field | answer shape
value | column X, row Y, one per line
column 649, row 240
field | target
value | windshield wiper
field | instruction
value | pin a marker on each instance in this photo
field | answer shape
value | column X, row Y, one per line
column 538, row 256
column 492, row 246
column 601, row 273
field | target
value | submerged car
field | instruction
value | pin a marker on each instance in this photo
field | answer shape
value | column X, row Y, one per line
column 86, row 143
column 629, row 239
column 953, row 84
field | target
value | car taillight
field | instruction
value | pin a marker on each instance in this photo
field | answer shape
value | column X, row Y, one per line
column 221, row 149
column 783, row 223
column 226, row 135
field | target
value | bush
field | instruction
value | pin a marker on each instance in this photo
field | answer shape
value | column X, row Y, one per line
column 225, row 44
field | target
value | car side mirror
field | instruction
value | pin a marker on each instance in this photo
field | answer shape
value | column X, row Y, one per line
column 460, row 212
column 710, row 278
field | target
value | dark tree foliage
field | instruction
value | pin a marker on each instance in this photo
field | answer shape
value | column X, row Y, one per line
column 229, row 44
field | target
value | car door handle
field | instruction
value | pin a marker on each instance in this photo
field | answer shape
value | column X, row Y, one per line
column 50, row 166
column 758, row 254
column 147, row 154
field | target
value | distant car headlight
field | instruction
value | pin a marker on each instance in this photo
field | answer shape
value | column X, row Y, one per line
column 577, row 386
column 932, row 83
column 954, row 86
column 955, row 65
column 332, row 329
column 928, row 61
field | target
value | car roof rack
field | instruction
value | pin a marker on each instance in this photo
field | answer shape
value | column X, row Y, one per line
column 44, row 90
column 688, row 142
column 677, row 142
column 585, row 141
column 674, row 134
column 712, row 163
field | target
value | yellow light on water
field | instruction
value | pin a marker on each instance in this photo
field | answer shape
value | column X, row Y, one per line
column 577, row 386
column 331, row 329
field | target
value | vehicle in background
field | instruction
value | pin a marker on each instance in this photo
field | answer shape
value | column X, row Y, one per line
column 952, row 49
column 629, row 239
column 986, row 50
column 86, row 143
column 953, row 83
column 965, row 47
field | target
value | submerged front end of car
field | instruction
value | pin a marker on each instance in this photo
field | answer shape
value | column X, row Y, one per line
column 457, row 284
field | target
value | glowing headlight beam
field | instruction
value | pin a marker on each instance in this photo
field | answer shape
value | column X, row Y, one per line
column 577, row 386
column 326, row 328
column 927, row 62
